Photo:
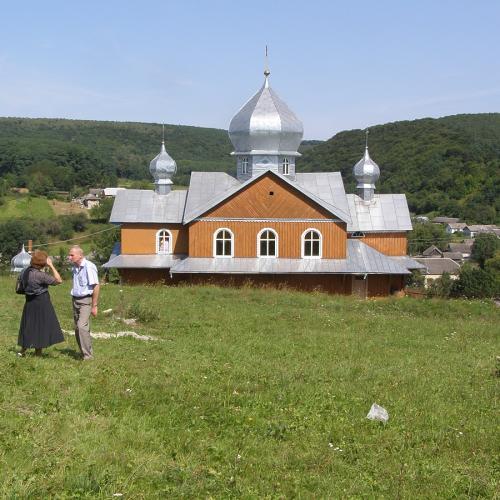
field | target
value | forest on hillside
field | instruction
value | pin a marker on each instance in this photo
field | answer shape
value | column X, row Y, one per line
column 447, row 166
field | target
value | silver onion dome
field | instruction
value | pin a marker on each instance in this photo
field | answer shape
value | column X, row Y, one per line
column 265, row 124
column 20, row 261
column 163, row 168
column 366, row 172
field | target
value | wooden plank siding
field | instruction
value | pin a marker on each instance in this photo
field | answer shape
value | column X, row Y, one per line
column 393, row 244
column 384, row 284
column 201, row 235
column 334, row 283
column 140, row 239
column 256, row 201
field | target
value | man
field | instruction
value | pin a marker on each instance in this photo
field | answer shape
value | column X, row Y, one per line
column 85, row 296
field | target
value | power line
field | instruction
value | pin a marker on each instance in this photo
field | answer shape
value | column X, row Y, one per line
column 77, row 238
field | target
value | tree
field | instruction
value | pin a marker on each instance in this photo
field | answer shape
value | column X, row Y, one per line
column 475, row 283
column 440, row 287
column 424, row 235
column 103, row 244
column 484, row 247
column 492, row 266
column 102, row 212
column 14, row 233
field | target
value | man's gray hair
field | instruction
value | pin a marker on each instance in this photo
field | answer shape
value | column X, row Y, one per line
column 77, row 248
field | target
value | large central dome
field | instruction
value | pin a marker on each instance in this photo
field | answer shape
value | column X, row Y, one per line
column 265, row 124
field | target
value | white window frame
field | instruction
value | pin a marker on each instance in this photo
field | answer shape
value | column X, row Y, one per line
column 276, row 241
column 244, row 165
column 214, row 248
column 303, row 244
column 170, row 241
column 286, row 165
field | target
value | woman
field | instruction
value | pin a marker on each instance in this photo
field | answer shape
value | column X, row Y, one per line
column 39, row 325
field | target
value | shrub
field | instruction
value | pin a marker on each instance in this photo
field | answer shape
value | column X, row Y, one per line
column 475, row 283
column 484, row 248
column 440, row 287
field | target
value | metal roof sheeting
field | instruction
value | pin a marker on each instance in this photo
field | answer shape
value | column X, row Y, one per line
column 385, row 212
column 327, row 190
column 152, row 261
column 138, row 205
column 328, row 187
column 440, row 265
column 361, row 259
column 265, row 123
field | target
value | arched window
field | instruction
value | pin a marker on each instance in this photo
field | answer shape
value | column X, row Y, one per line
column 223, row 243
column 286, row 166
column 267, row 243
column 312, row 244
column 163, row 241
column 244, row 165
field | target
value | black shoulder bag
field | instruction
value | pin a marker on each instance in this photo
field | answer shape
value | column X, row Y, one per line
column 20, row 283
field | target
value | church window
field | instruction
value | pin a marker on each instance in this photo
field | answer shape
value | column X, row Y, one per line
column 312, row 244
column 286, row 166
column 223, row 243
column 163, row 241
column 267, row 243
column 358, row 234
column 244, row 165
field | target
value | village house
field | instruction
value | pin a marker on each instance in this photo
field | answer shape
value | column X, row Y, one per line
column 464, row 248
column 472, row 230
column 454, row 227
column 445, row 220
column 269, row 224
column 434, row 268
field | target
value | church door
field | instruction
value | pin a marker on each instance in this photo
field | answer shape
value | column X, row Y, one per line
column 359, row 286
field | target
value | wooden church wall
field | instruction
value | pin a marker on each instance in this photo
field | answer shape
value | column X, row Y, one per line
column 140, row 239
column 387, row 243
column 269, row 198
column 201, row 234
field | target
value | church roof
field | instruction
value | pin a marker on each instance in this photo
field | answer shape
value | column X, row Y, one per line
column 327, row 190
column 265, row 124
column 205, row 187
column 385, row 212
column 140, row 205
column 361, row 259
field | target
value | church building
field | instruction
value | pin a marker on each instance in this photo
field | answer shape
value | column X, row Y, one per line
column 270, row 224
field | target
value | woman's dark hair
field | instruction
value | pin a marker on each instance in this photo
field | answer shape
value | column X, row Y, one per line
column 39, row 259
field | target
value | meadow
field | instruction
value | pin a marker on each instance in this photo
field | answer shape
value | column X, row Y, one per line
column 16, row 206
column 254, row 393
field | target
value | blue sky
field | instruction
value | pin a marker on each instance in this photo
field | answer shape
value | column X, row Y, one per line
column 338, row 65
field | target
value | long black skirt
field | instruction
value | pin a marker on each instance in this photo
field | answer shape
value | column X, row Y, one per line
column 39, row 324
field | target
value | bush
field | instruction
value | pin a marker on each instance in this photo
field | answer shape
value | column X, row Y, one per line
column 440, row 287
column 484, row 248
column 415, row 280
column 475, row 283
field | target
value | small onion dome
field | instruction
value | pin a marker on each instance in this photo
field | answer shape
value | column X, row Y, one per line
column 265, row 124
column 20, row 261
column 366, row 172
column 162, row 166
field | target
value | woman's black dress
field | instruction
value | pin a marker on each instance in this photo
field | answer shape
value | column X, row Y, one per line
column 39, row 324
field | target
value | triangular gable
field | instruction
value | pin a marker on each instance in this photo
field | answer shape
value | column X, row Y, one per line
column 297, row 203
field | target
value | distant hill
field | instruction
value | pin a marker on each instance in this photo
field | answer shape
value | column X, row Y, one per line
column 449, row 166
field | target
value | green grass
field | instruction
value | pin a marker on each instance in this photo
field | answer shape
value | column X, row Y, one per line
column 253, row 393
column 17, row 206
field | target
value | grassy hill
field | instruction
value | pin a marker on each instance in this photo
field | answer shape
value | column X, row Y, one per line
column 19, row 206
column 449, row 165
column 266, row 400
